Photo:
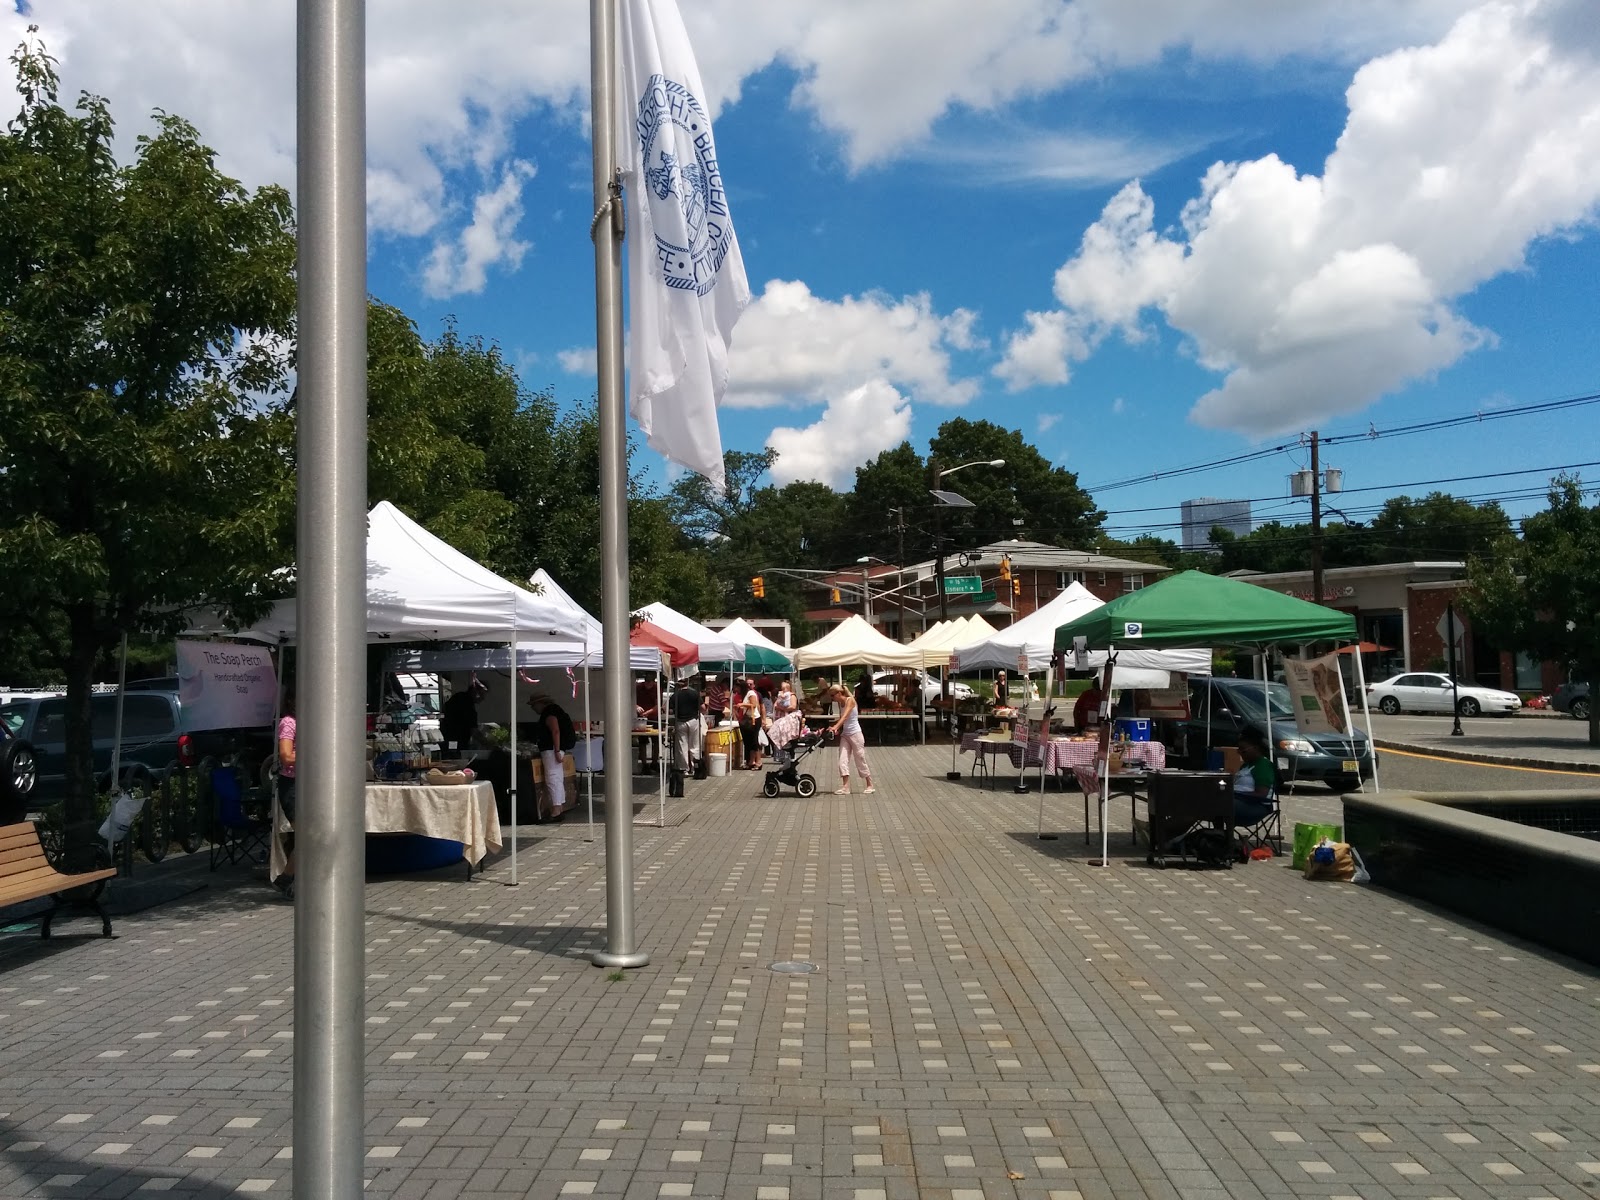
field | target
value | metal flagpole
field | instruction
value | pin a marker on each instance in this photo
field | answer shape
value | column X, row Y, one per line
column 330, row 556
column 588, row 736
column 607, row 233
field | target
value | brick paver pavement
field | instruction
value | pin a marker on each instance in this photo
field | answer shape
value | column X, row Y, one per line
column 991, row 1018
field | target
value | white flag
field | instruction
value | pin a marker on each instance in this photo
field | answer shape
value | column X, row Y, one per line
column 686, row 284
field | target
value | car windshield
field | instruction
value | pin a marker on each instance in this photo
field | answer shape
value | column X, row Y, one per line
column 12, row 718
column 1247, row 698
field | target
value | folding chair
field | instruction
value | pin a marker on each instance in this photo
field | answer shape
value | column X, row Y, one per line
column 235, row 834
column 1267, row 833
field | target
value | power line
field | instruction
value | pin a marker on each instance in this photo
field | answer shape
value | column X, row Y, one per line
column 1371, row 434
column 1381, row 487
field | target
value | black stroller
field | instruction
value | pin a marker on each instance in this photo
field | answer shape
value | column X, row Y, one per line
column 788, row 772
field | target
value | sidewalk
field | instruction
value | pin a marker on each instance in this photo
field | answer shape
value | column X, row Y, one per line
column 990, row 1017
column 1537, row 744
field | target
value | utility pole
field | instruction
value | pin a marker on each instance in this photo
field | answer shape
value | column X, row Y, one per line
column 1316, row 522
column 900, row 576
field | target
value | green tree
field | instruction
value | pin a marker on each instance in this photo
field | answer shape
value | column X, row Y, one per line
column 1437, row 528
column 1541, row 594
column 146, row 313
column 1027, row 498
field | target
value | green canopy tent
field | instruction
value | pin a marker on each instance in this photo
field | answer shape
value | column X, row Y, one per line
column 756, row 658
column 1193, row 609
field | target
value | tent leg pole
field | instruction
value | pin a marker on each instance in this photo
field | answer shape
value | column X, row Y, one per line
column 588, row 740
column 513, row 747
column 1366, row 717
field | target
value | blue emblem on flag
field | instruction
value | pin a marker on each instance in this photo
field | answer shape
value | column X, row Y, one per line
column 1133, row 629
column 687, row 205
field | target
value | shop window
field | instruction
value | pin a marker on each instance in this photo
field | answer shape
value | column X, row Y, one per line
column 1530, row 676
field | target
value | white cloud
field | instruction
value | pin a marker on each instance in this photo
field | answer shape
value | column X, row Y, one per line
column 1007, row 154
column 580, row 360
column 792, row 346
column 1048, row 421
column 1042, row 353
column 854, row 428
column 445, row 88
column 461, row 264
column 1315, row 295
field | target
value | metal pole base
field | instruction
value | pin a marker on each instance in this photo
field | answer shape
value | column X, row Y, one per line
column 952, row 774
column 604, row 958
column 1098, row 862
column 1022, row 789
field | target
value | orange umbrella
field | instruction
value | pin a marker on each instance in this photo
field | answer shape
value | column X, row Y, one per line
column 1364, row 648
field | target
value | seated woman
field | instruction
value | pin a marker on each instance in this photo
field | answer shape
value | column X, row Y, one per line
column 1255, row 782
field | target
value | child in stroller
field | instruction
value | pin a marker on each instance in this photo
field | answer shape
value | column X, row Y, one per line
column 791, row 743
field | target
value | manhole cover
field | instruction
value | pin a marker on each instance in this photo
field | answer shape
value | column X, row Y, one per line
column 793, row 968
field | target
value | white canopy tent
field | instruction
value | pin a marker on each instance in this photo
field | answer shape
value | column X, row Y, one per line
column 714, row 646
column 1035, row 636
column 422, row 589
column 853, row 642
column 745, row 635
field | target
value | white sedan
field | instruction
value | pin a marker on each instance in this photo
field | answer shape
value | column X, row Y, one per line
column 1425, row 691
column 892, row 684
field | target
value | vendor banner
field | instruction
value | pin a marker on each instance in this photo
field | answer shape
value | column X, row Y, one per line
column 1316, row 691
column 222, row 685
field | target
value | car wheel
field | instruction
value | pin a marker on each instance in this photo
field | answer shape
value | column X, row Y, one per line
column 1389, row 705
column 806, row 786
column 1580, row 708
column 1468, row 707
column 19, row 771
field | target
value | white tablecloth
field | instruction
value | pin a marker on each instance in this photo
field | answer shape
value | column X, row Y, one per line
column 461, row 812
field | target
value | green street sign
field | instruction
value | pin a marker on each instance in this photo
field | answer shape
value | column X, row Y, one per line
column 962, row 585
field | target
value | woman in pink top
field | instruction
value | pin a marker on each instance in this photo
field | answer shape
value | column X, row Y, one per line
column 287, row 742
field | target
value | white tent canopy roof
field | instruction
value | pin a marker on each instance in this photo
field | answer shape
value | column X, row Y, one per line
column 530, row 656
column 543, row 585
column 1035, row 635
column 745, row 634
column 422, row 589
column 855, row 642
column 714, row 646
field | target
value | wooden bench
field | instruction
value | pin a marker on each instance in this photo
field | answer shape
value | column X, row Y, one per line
column 25, row 874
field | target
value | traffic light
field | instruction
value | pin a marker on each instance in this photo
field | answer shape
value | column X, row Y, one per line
column 1005, row 569
column 833, row 596
column 1016, row 587
column 758, row 587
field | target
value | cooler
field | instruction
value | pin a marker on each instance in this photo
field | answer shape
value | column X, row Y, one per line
column 1132, row 729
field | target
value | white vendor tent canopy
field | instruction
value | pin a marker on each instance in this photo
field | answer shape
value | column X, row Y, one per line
column 644, row 660
column 1035, row 636
column 542, row 584
column 714, row 646
column 855, row 642
column 422, row 589
column 745, row 635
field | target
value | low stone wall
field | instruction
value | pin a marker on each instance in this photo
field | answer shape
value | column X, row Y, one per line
column 1535, row 883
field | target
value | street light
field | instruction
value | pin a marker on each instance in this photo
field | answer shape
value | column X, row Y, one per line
column 866, row 562
column 950, row 500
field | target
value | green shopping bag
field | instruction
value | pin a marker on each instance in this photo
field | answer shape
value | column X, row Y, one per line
column 1307, row 836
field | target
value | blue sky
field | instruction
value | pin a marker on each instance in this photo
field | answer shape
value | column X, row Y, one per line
column 1146, row 239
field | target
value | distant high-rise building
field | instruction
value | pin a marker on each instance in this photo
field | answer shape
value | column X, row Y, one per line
column 1203, row 515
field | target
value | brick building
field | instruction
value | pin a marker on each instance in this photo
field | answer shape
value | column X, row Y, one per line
column 1405, row 607
column 1038, row 573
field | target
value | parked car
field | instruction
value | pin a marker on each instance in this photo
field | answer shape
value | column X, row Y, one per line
column 19, row 773
column 153, row 736
column 891, row 684
column 1428, row 691
column 1220, row 709
column 1572, row 698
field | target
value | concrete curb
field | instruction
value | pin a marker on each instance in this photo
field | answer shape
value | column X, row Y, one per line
column 1493, row 760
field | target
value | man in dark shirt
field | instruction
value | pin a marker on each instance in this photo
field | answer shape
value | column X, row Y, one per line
column 685, row 708
column 458, row 719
